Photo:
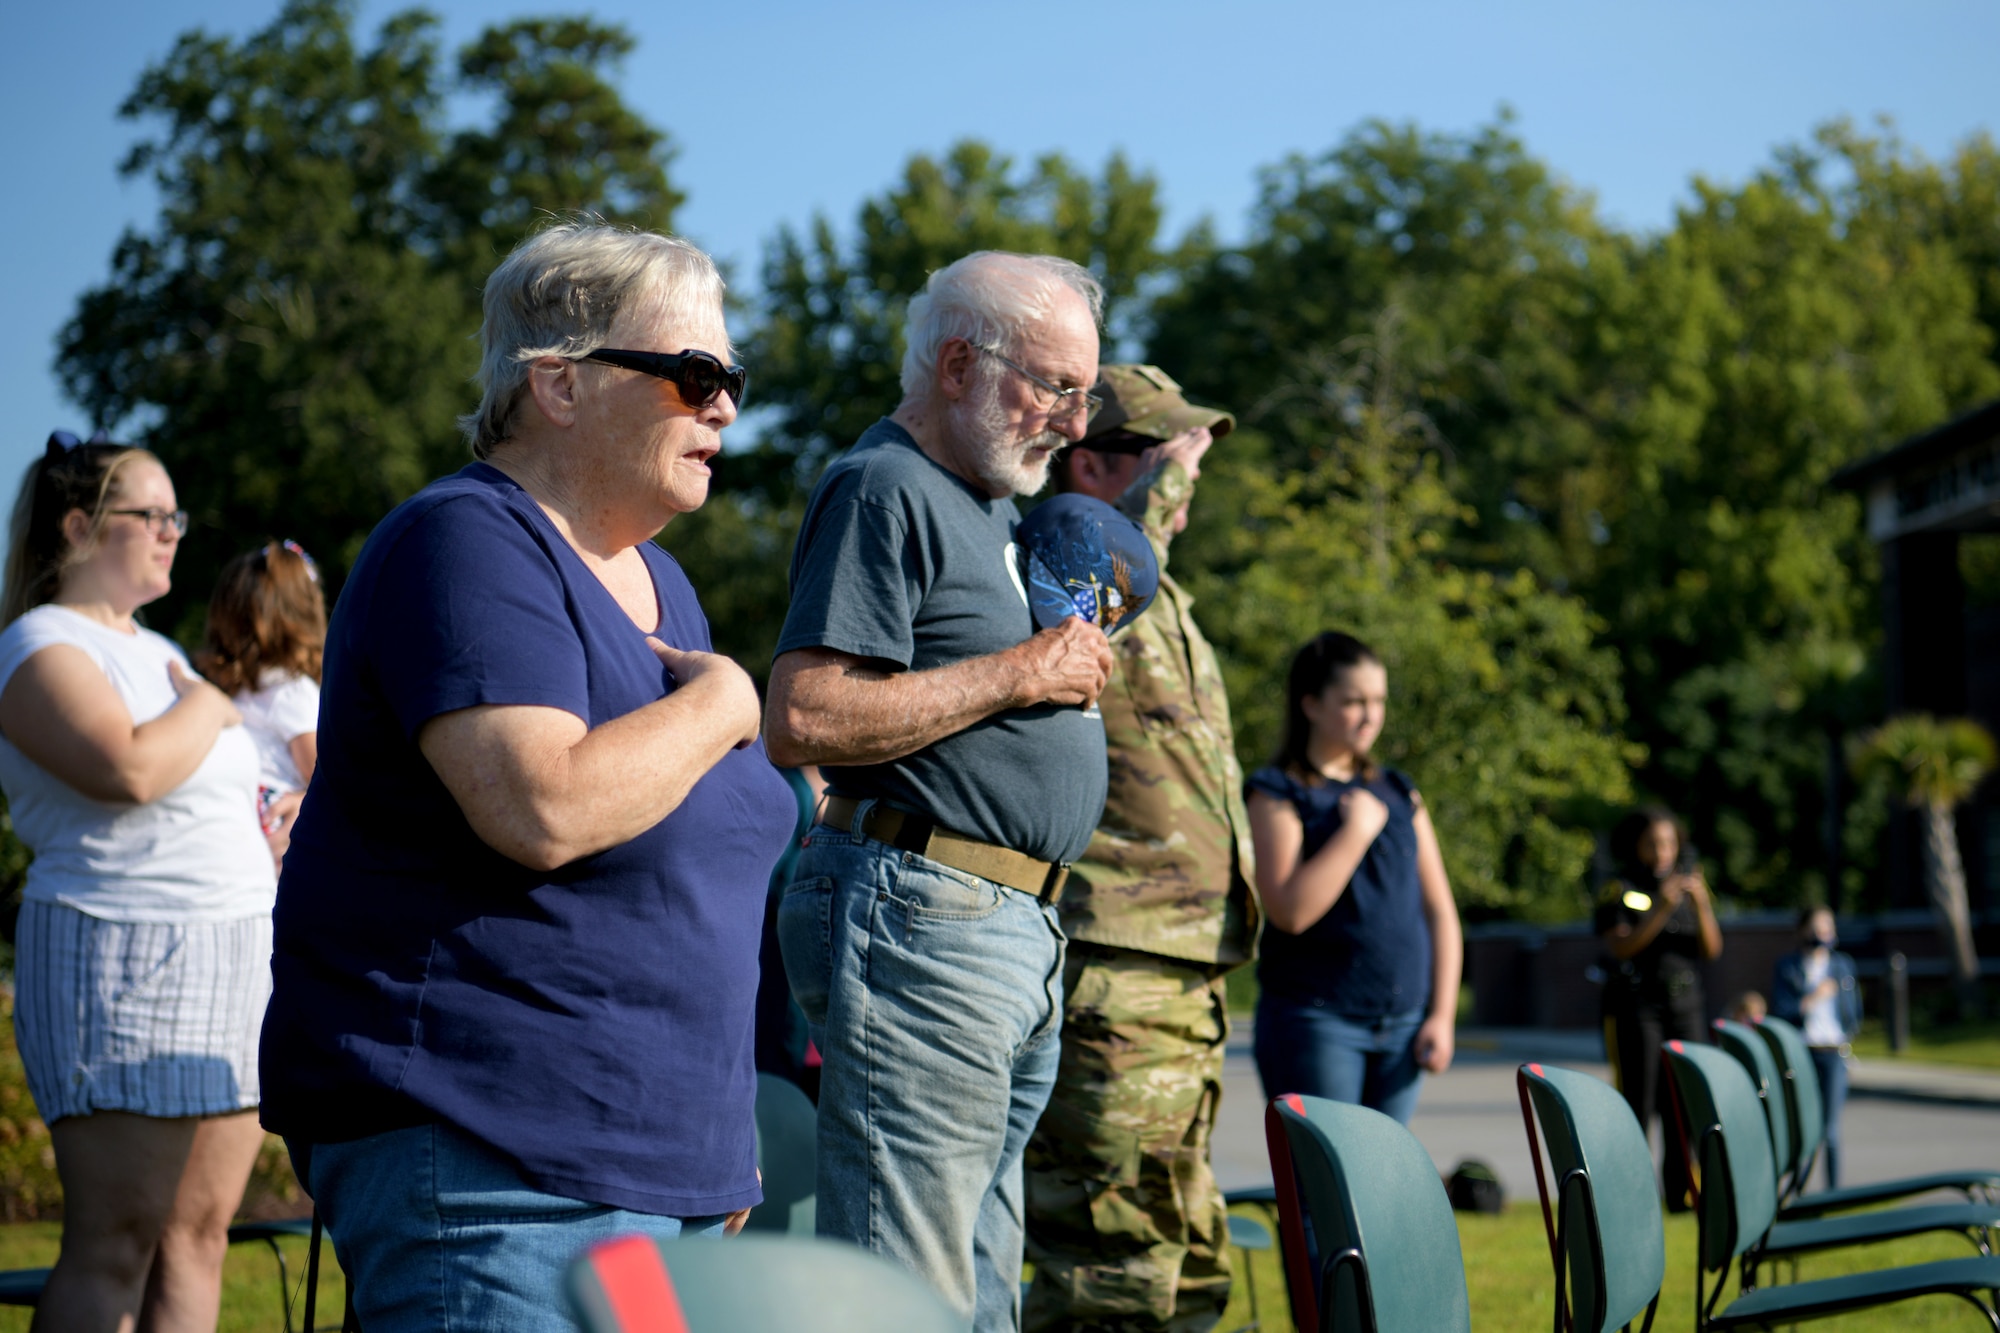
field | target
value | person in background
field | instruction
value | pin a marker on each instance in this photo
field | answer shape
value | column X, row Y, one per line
column 1749, row 1007
column 920, row 927
column 516, row 958
column 266, row 634
column 1359, row 973
column 1126, row 1226
column 1656, row 919
column 1814, row 988
column 142, row 958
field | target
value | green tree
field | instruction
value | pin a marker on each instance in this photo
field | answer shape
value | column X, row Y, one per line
column 1645, row 421
column 293, row 335
column 1503, row 706
column 562, row 140
column 1935, row 765
column 1509, row 288
column 1790, row 325
column 1953, row 206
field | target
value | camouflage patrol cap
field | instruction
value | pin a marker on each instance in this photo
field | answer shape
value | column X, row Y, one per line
column 1144, row 401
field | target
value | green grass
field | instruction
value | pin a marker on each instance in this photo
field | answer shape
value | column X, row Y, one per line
column 1506, row 1266
column 249, row 1280
column 1510, row 1282
column 1974, row 1045
column 1242, row 993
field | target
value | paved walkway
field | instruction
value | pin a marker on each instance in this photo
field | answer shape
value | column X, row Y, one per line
column 1901, row 1119
column 1910, row 1081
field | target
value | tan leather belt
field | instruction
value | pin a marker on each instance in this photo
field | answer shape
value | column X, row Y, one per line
column 1041, row 880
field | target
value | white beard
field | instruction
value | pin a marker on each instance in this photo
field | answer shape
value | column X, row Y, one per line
column 976, row 430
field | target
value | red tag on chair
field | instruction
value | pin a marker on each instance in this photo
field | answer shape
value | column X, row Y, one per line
column 637, row 1286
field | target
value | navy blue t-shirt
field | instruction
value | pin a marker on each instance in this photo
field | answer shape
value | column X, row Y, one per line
column 593, row 1023
column 1370, row 955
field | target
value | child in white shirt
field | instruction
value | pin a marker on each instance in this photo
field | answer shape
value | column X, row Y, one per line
column 266, row 635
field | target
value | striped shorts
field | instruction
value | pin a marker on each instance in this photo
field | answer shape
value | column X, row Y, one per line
column 152, row 1018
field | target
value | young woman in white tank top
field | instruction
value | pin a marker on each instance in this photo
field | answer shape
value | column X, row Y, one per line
column 143, row 952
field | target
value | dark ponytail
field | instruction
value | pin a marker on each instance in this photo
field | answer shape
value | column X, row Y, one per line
column 70, row 474
column 1315, row 667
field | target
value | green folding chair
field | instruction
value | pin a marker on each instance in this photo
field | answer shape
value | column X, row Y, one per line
column 1758, row 1062
column 1716, row 1108
column 788, row 1157
column 1609, row 1207
column 748, row 1284
column 1606, row 1201
column 1383, row 1255
column 1789, row 1238
column 1807, row 1124
column 23, row 1286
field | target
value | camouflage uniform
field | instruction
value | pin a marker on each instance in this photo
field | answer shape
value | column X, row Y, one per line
column 1126, row 1227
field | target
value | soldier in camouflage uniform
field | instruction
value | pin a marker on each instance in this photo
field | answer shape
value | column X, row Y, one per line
column 1126, row 1227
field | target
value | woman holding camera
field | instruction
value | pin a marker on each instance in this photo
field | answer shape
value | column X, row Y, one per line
column 1657, row 921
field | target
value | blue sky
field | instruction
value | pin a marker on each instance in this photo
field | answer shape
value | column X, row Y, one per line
column 783, row 109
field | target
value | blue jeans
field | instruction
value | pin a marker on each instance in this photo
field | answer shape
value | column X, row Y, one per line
column 438, row 1232
column 935, row 998
column 1832, row 1072
column 1302, row 1046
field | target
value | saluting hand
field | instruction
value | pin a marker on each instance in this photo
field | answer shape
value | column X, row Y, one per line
column 1065, row 665
column 1185, row 448
column 734, row 693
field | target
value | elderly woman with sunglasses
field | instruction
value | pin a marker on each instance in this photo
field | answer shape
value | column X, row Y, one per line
column 142, row 952
column 517, row 929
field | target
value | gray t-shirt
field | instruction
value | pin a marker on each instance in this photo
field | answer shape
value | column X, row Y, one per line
column 900, row 560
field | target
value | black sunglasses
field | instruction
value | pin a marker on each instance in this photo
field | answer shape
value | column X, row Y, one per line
column 699, row 376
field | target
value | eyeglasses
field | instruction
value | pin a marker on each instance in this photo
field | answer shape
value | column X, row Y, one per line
column 1063, row 403
column 698, row 376
column 158, row 519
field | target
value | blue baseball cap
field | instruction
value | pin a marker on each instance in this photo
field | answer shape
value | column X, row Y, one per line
column 1081, row 557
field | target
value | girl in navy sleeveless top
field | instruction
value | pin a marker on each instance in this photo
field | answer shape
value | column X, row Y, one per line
column 1359, row 971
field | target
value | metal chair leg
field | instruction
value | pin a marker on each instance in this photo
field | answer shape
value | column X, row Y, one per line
column 284, row 1281
column 1250, row 1280
column 1244, row 1248
column 312, row 1275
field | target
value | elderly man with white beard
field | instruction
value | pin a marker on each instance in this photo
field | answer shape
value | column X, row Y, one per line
column 966, row 769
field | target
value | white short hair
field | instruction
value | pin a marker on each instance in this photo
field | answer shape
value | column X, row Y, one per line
column 989, row 298
column 559, row 293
